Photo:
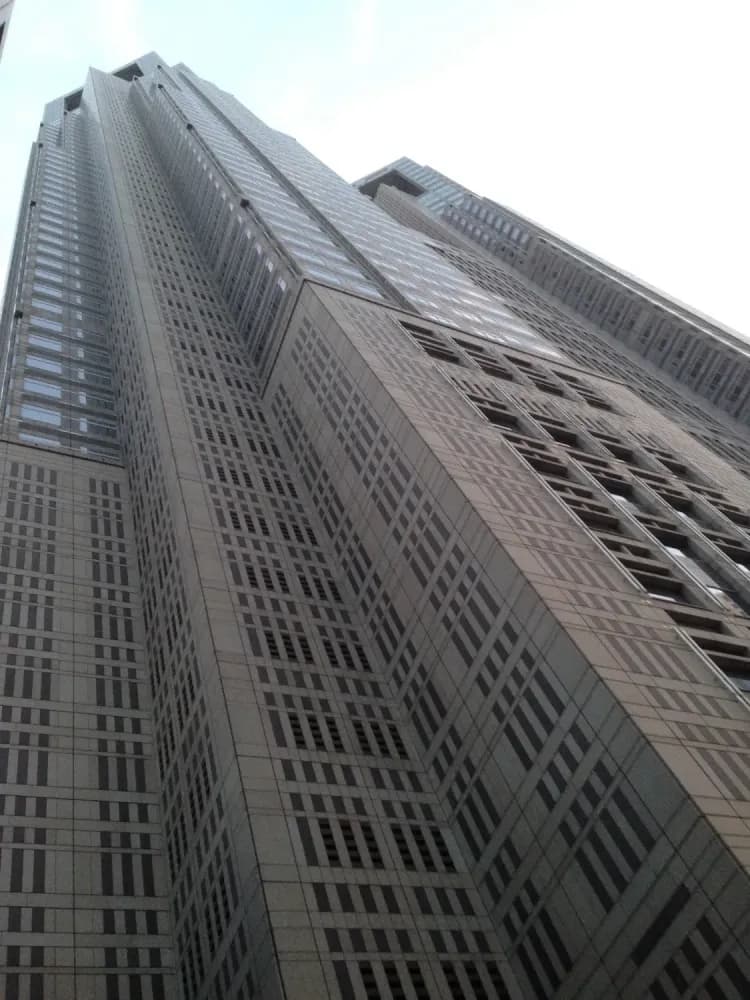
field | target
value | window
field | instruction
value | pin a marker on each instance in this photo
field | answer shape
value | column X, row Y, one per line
column 44, row 364
column 41, row 414
column 42, row 388
column 432, row 343
column 46, row 324
column 696, row 620
column 688, row 519
column 699, row 573
column 496, row 412
column 660, row 585
column 48, row 290
column 46, row 442
column 48, row 306
column 627, row 503
column 46, row 342
column 742, row 681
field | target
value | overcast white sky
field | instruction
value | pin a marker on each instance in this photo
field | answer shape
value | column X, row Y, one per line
column 619, row 125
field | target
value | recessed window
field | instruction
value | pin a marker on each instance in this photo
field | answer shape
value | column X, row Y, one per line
column 627, row 503
column 46, row 442
column 498, row 417
column 46, row 324
column 432, row 343
column 45, row 342
column 700, row 573
column 43, row 364
column 695, row 620
column 563, row 436
column 41, row 414
column 621, row 452
column 42, row 388
column 48, row 306
column 48, row 290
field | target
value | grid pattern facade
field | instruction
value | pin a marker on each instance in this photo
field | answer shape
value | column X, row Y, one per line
column 581, row 341
column 589, row 346
column 707, row 359
column 516, row 599
column 84, row 910
column 83, row 907
column 386, row 650
column 699, row 354
column 57, row 378
column 305, row 774
column 226, row 141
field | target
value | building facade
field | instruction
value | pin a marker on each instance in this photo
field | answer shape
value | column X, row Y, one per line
column 581, row 340
column 701, row 355
column 357, row 640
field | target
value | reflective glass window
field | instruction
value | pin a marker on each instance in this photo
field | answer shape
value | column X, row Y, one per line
column 46, row 342
column 42, row 387
column 49, row 306
column 43, row 364
column 29, row 411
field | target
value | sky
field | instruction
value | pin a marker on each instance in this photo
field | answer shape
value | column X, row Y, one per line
column 621, row 126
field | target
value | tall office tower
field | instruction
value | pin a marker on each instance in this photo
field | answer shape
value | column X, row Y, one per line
column 581, row 340
column 707, row 358
column 357, row 642
column 6, row 9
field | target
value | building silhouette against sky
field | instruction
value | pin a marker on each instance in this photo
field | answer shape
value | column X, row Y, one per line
column 696, row 351
column 359, row 639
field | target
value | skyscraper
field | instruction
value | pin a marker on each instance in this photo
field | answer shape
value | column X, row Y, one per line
column 712, row 361
column 357, row 641
column 581, row 339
